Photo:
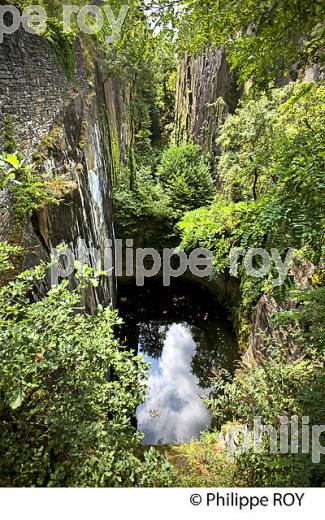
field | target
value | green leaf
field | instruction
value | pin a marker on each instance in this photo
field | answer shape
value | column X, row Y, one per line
column 16, row 399
column 13, row 160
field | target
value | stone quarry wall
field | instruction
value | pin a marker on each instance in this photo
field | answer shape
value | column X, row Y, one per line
column 36, row 92
column 118, row 101
column 206, row 93
column 33, row 86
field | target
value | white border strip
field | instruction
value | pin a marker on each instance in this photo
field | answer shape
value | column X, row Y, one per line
column 154, row 504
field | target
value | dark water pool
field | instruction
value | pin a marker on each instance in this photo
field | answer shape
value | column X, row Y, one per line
column 186, row 337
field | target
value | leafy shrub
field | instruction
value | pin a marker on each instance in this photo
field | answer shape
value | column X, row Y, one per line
column 185, row 175
column 9, row 143
column 273, row 150
column 68, row 393
column 221, row 226
column 203, row 463
column 30, row 189
column 8, row 255
column 143, row 213
column 310, row 315
column 148, row 210
column 276, row 387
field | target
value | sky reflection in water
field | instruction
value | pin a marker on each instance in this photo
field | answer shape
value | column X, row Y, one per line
column 174, row 411
column 187, row 337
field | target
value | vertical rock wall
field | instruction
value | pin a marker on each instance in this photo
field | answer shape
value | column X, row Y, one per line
column 118, row 100
column 74, row 125
column 206, row 93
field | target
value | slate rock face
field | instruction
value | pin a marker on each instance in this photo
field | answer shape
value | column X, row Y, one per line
column 82, row 121
column 206, row 94
column 33, row 86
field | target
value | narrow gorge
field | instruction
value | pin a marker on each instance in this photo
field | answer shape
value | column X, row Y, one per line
column 161, row 244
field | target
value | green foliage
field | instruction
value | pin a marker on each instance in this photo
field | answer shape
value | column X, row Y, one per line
column 31, row 195
column 250, row 290
column 54, row 8
column 68, row 393
column 185, row 175
column 147, row 209
column 145, row 63
column 64, row 45
column 310, row 315
column 273, row 149
column 246, row 140
column 30, row 189
column 202, row 463
column 9, row 143
column 298, row 169
column 263, row 39
column 272, row 169
column 63, row 42
column 223, row 225
column 8, row 255
column 9, row 164
column 274, row 36
column 277, row 387
column 143, row 213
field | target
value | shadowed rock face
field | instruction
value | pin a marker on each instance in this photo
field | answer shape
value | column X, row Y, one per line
column 82, row 152
column 267, row 307
column 86, row 131
column 81, row 121
column 206, row 93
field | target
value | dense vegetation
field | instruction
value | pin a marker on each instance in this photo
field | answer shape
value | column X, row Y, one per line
column 271, row 173
column 181, row 181
column 68, row 390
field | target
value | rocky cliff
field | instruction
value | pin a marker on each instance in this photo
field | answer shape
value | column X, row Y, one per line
column 74, row 129
column 206, row 92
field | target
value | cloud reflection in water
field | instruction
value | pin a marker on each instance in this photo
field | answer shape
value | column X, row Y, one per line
column 174, row 411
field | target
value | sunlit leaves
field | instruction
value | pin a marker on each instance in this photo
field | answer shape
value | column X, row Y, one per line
column 272, row 172
column 68, row 393
column 185, row 175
